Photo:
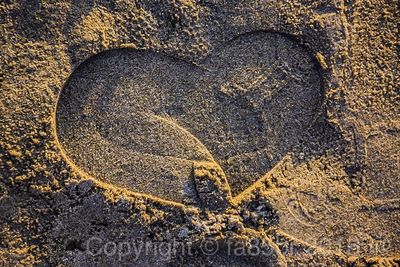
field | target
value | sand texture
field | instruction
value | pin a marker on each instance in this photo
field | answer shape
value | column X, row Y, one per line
column 240, row 133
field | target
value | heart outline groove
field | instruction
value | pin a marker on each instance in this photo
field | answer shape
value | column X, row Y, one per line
column 194, row 130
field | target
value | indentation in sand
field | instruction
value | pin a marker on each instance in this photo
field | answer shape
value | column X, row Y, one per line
column 147, row 121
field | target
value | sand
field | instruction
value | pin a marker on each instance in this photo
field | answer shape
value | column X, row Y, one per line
column 243, row 134
column 139, row 119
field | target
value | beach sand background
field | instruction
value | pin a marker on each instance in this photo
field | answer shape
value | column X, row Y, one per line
column 197, row 121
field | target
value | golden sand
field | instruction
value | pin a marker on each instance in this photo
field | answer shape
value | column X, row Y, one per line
column 238, row 123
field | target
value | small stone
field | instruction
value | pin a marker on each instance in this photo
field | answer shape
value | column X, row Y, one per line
column 184, row 232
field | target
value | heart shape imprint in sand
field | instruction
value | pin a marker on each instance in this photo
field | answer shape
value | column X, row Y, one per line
column 167, row 128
